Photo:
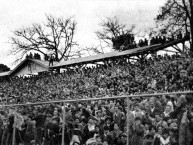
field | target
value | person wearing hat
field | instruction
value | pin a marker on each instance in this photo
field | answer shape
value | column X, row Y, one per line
column 109, row 123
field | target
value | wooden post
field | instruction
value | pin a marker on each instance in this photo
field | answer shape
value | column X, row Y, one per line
column 63, row 125
column 128, row 120
column 14, row 128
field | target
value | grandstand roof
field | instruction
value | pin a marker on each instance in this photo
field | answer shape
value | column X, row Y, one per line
column 102, row 56
column 44, row 65
column 131, row 52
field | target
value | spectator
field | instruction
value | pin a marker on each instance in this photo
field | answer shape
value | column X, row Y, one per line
column 109, row 124
column 138, row 132
column 89, row 130
column 155, row 107
column 167, row 112
column 118, row 116
column 107, row 136
column 116, row 133
column 51, row 61
column 165, row 138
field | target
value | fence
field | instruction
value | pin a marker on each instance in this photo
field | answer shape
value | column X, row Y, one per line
column 19, row 107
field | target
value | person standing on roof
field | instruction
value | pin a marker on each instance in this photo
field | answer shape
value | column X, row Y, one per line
column 51, row 60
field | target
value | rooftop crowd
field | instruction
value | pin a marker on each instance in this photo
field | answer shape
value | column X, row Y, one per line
column 127, row 41
column 161, row 120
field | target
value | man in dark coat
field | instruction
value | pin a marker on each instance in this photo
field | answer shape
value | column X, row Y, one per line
column 88, row 131
column 39, row 131
column 117, row 117
column 107, row 136
column 109, row 123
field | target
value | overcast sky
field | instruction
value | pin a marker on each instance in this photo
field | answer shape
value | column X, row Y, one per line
column 15, row 14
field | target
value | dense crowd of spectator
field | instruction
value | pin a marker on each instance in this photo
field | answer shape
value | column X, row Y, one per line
column 157, row 121
column 118, row 77
column 162, row 120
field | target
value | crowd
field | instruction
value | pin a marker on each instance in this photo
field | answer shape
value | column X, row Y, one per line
column 162, row 39
column 161, row 120
column 164, row 120
column 118, row 77
column 33, row 56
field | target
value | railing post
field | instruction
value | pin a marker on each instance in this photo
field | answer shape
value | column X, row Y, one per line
column 128, row 120
column 14, row 127
column 63, row 124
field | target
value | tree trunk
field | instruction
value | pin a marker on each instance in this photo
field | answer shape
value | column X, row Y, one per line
column 56, row 55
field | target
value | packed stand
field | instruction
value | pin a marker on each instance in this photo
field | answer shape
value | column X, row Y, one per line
column 156, row 121
column 118, row 77
column 161, row 120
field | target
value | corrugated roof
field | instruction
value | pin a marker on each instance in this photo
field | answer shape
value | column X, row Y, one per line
column 104, row 56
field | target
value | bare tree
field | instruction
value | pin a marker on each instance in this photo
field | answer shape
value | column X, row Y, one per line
column 111, row 29
column 94, row 49
column 175, row 16
column 56, row 35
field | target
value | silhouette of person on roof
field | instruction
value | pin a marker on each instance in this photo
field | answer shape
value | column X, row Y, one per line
column 51, row 61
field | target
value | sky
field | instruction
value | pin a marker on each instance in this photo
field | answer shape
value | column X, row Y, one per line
column 15, row 14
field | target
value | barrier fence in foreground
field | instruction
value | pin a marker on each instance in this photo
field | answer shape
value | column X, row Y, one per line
column 16, row 107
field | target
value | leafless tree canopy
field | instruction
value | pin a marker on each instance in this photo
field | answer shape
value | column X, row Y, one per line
column 55, row 35
column 175, row 16
column 112, row 28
